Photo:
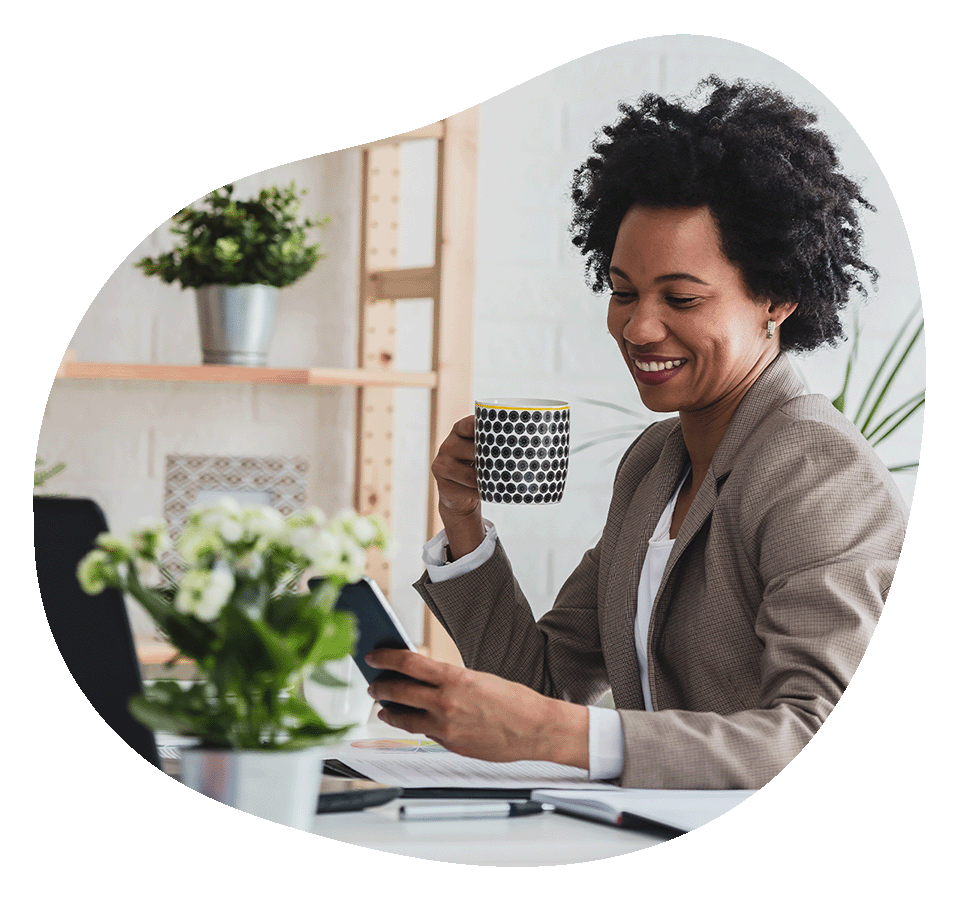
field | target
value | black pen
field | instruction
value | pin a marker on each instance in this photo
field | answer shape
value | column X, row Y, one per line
column 499, row 810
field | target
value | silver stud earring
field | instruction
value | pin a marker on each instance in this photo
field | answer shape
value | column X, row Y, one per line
column 771, row 326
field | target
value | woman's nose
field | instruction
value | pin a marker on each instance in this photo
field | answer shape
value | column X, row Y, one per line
column 643, row 325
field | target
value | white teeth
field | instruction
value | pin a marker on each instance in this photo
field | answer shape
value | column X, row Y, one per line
column 659, row 366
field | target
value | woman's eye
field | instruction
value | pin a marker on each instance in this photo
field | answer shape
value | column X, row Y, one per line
column 680, row 301
column 623, row 296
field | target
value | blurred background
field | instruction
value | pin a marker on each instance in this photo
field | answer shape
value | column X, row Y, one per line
column 537, row 330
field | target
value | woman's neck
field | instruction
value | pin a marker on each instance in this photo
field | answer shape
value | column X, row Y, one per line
column 703, row 429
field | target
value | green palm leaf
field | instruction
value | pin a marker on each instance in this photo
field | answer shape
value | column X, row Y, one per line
column 893, row 374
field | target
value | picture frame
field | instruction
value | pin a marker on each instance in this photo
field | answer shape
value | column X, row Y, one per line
column 192, row 480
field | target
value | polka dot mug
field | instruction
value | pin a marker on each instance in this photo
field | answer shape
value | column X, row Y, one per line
column 522, row 450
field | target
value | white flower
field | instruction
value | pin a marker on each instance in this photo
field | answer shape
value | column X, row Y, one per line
column 113, row 546
column 314, row 516
column 195, row 542
column 148, row 573
column 149, row 538
column 224, row 517
column 250, row 563
column 94, row 571
column 364, row 530
column 264, row 524
column 203, row 592
column 230, row 530
column 341, row 555
column 308, row 542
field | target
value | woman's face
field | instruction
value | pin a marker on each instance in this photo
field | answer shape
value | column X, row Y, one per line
column 692, row 336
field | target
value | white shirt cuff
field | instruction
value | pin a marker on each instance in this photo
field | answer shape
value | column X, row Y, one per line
column 435, row 555
column 606, row 746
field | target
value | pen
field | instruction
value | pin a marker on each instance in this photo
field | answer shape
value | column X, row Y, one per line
column 473, row 810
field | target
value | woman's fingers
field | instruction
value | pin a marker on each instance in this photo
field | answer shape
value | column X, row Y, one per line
column 454, row 472
column 414, row 665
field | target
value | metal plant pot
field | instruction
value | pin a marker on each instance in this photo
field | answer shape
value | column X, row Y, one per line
column 236, row 323
column 280, row 786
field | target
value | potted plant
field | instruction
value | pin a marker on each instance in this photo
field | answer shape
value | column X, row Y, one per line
column 237, row 254
column 240, row 613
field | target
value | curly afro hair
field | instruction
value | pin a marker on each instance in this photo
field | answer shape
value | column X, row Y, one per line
column 787, row 215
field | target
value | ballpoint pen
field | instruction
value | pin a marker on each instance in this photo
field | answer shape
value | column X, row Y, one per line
column 500, row 810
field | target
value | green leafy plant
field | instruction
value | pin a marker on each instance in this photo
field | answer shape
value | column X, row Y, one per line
column 228, row 241
column 239, row 613
column 42, row 476
column 874, row 423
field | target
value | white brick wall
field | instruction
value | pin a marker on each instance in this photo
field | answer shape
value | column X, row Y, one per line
column 538, row 330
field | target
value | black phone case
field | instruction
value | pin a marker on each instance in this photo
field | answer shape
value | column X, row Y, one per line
column 376, row 630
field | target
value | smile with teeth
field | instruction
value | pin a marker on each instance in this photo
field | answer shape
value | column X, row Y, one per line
column 658, row 366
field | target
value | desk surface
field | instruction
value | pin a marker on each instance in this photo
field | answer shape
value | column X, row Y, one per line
column 546, row 839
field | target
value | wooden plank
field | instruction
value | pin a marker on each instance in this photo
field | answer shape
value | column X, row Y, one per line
column 402, row 284
column 434, row 130
column 244, row 374
column 373, row 493
column 453, row 313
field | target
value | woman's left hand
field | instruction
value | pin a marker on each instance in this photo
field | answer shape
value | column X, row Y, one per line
column 480, row 715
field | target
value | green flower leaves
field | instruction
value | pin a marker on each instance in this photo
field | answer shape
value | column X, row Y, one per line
column 240, row 613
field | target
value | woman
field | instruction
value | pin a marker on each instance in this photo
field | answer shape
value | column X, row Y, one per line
column 751, row 539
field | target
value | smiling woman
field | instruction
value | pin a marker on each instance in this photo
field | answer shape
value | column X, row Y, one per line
column 751, row 538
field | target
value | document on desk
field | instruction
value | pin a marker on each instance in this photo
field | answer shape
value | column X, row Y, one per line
column 425, row 764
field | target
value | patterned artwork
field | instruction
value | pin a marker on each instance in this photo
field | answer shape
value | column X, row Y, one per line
column 278, row 481
column 522, row 454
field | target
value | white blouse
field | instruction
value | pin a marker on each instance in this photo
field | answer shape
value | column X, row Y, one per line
column 606, row 746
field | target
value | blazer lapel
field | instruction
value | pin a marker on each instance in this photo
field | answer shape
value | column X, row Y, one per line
column 776, row 385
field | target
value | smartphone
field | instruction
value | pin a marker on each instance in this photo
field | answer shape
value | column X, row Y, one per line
column 377, row 627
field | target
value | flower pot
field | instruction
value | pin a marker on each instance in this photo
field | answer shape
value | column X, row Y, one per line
column 280, row 786
column 236, row 323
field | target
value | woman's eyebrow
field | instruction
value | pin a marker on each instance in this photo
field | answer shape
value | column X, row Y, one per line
column 674, row 276
column 681, row 276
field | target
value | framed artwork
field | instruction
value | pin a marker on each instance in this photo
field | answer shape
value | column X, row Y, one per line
column 191, row 480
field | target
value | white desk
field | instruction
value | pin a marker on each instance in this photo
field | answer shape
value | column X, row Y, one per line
column 546, row 839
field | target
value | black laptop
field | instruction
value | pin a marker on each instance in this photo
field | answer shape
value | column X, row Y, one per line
column 92, row 633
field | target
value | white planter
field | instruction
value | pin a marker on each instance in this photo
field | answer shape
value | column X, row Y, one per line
column 280, row 786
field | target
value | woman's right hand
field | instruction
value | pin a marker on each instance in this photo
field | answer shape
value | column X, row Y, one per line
column 455, row 474
column 459, row 500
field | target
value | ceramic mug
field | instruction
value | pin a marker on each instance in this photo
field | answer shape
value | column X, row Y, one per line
column 522, row 450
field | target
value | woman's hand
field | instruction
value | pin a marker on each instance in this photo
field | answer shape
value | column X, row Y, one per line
column 459, row 500
column 480, row 715
column 453, row 469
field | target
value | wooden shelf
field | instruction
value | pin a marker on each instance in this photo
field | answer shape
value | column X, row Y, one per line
column 244, row 374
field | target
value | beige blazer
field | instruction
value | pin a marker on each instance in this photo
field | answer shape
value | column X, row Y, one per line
column 772, row 591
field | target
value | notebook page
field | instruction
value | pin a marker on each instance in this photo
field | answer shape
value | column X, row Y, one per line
column 434, row 767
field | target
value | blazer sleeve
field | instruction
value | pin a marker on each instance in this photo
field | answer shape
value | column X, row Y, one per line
column 489, row 619
column 821, row 523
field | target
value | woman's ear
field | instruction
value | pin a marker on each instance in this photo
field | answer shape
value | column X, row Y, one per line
column 780, row 311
